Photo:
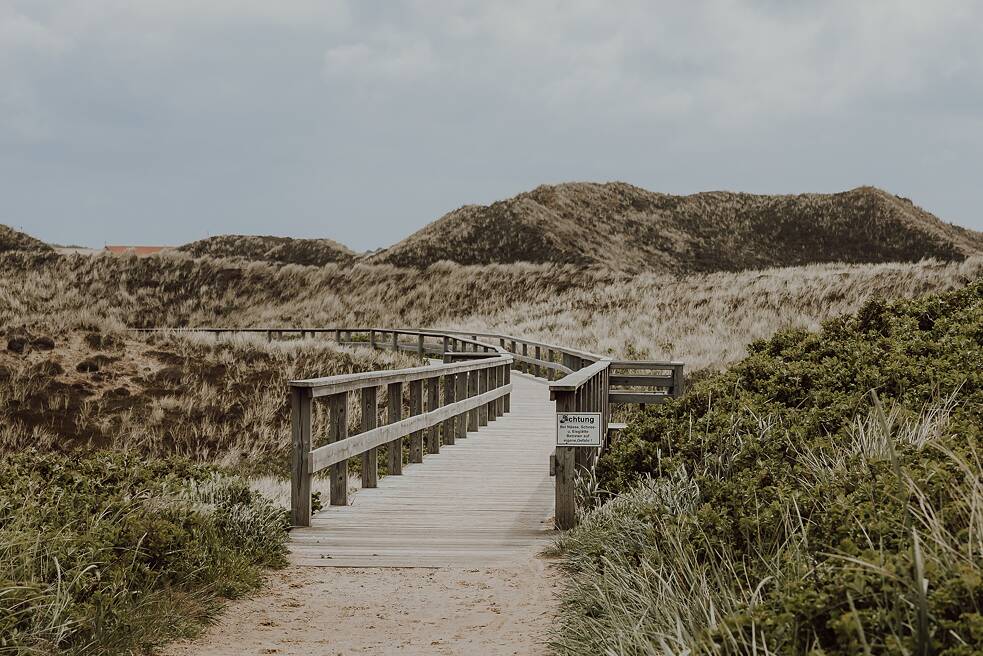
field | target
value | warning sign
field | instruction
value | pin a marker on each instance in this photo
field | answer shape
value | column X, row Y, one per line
column 578, row 429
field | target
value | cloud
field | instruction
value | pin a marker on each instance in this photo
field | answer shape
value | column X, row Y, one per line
column 394, row 57
column 305, row 109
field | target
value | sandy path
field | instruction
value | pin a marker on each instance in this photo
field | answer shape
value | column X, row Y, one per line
column 338, row 611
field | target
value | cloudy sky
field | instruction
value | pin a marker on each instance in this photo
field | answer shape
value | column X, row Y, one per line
column 163, row 121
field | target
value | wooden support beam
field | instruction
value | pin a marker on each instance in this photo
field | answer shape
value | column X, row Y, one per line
column 394, row 392
column 416, row 407
column 507, row 405
column 489, row 383
column 473, row 419
column 338, row 431
column 370, row 419
column 565, row 506
column 433, row 402
column 448, row 429
column 300, row 489
column 461, row 422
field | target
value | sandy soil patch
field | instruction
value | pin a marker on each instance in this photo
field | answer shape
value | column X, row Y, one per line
column 334, row 611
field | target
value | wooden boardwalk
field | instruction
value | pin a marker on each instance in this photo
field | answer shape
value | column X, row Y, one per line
column 486, row 500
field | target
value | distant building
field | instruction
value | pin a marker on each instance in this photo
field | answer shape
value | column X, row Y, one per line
column 136, row 250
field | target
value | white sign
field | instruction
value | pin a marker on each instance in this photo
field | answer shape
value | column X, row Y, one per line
column 578, row 429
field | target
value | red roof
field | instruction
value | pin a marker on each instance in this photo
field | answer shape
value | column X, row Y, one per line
column 136, row 250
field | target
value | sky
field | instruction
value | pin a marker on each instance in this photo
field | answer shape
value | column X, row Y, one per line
column 166, row 121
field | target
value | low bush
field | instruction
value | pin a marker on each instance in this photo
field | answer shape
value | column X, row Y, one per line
column 103, row 553
column 823, row 496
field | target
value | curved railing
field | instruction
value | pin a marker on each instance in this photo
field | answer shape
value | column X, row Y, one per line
column 470, row 388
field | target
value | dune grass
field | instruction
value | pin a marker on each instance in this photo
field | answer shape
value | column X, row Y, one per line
column 108, row 554
column 822, row 496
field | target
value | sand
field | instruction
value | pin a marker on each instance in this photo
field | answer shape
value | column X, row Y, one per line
column 334, row 611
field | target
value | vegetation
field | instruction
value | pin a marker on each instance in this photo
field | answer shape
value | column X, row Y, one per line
column 705, row 320
column 106, row 553
column 616, row 226
column 282, row 250
column 12, row 240
column 130, row 457
column 212, row 401
column 823, row 496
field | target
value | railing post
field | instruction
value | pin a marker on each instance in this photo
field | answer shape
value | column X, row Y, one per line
column 525, row 352
column 565, row 505
column 395, row 342
column 499, row 377
column 337, row 336
column 483, row 409
column 416, row 407
column 537, row 371
column 372, row 338
column 300, row 488
column 491, row 382
column 450, row 382
column 394, row 413
column 446, row 344
column 419, row 345
column 678, row 382
column 370, row 419
column 473, row 419
column 583, row 404
column 338, row 430
column 433, row 402
column 461, row 421
column 507, row 399
column 550, row 356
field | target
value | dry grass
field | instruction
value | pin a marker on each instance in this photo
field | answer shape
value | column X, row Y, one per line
column 284, row 250
column 708, row 320
column 218, row 401
column 705, row 320
column 13, row 240
column 616, row 226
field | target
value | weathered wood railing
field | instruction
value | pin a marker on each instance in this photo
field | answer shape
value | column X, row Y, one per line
column 581, row 382
column 585, row 390
column 445, row 402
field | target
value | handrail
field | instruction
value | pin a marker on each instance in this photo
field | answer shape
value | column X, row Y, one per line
column 446, row 401
column 577, row 379
column 347, row 382
column 471, row 397
column 581, row 354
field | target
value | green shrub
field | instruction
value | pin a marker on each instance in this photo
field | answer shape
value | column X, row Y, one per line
column 834, row 502
column 104, row 553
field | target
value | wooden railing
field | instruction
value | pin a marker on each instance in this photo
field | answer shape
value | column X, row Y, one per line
column 445, row 402
column 580, row 382
column 585, row 390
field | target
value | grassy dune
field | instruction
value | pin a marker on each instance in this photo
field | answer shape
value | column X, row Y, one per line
column 707, row 320
column 822, row 496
